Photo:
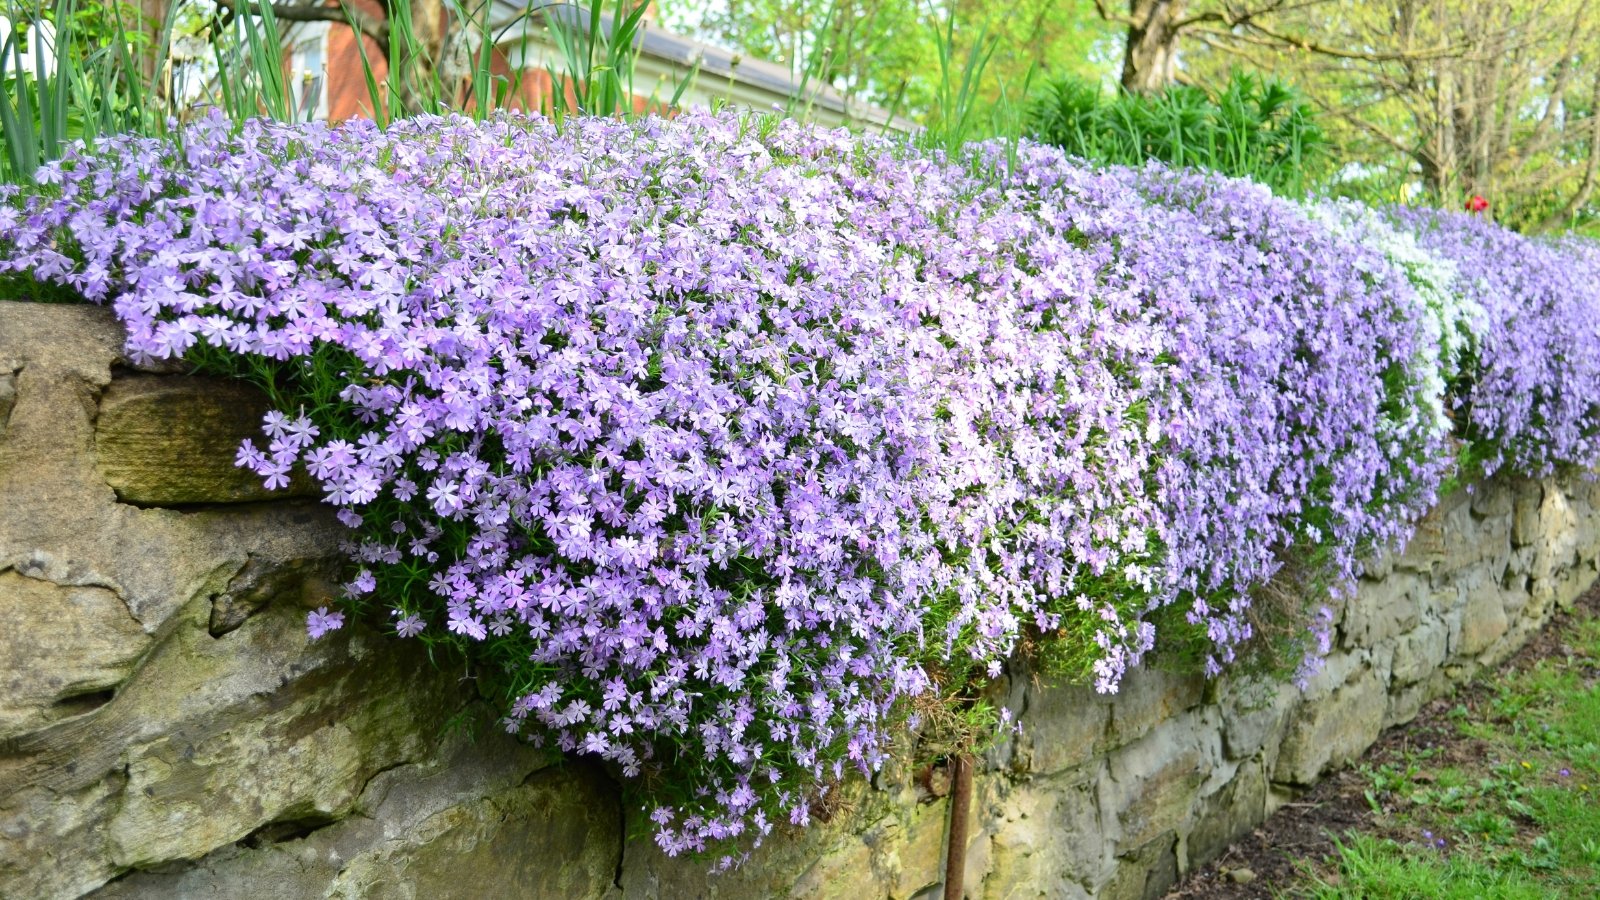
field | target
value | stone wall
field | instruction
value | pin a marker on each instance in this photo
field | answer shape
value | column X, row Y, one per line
column 167, row 730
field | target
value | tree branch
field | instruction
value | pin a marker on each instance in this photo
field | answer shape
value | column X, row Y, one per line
column 342, row 14
column 1109, row 16
column 1232, row 16
column 1591, row 170
column 1266, row 37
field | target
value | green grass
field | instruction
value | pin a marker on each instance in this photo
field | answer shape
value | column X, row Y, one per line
column 1516, row 814
column 1380, row 867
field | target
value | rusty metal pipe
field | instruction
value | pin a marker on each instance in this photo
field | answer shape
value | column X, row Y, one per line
column 955, row 858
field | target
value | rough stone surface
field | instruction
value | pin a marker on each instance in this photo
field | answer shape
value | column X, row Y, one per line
column 170, row 441
column 1046, row 841
column 8, row 392
column 1418, row 653
column 1149, row 697
column 1525, row 523
column 168, row 730
column 66, row 649
column 1071, row 727
column 1227, row 815
column 1250, row 718
column 138, row 749
column 1388, row 609
column 1333, row 730
column 1483, row 619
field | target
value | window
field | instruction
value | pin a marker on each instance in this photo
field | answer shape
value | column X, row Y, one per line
column 308, row 71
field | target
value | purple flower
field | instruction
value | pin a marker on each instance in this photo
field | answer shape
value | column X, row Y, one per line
column 409, row 626
column 321, row 622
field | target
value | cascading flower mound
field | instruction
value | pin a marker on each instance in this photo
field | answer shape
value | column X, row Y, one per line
column 714, row 441
column 1531, row 400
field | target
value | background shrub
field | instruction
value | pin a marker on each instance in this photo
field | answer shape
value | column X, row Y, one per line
column 1252, row 127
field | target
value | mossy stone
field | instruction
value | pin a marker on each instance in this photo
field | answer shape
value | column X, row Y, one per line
column 172, row 441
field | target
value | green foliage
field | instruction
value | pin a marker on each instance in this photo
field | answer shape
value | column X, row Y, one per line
column 1254, row 127
column 51, row 96
column 1435, row 103
column 1375, row 867
column 954, row 113
column 27, row 289
column 897, row 54
column 96, row 83
column 259, row 86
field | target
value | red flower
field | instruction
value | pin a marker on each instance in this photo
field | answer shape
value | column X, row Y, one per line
column 1477, row 204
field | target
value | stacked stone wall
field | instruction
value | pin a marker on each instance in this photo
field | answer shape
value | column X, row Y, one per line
column 167, row 729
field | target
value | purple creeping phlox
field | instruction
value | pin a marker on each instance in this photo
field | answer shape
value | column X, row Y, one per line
column 1294, row 373
column 1533, row 402
column 713, row 440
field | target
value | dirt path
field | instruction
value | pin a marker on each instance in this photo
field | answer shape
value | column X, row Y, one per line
column 1273, row 855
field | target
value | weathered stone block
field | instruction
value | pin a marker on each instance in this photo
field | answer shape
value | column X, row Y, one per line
column 1337, row 668
column 1492, row 499
column 1560, row 590
column 1427, row 545
column 1146, row 873
column 1332, row 731
column 52, row 837
column 1064, row 726
column 1048, row 842
column 1419, row 652
column 1462, row 552
column 897, row 857
column 1249, row 718
column 1383, row 610
column 1555, row 544
column 1149, row 696
column 62, row 650
column 172, row 441
column 1484, row 620
column 1379, row 564
column 1404, row 704
column 253, row 737
column 1227, row 815
column 8, row 392
column 557, row 835
column 1153, row 785
column 1525, row 521
column 484, row 820
column 304, row 582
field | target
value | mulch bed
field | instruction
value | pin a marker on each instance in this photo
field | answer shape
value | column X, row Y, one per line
column 1303, row 832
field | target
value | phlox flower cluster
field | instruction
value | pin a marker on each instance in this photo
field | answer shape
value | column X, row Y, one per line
column 707, row 436
column 1457, row 323
column 1318, row 358
column 714, row 440
column 1294, row 362
column 1531, row 401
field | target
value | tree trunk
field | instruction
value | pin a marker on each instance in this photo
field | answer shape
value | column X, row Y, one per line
column 1150, row 62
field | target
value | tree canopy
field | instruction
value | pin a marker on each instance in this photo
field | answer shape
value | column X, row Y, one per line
column 886, row 51
column 1434, row 99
